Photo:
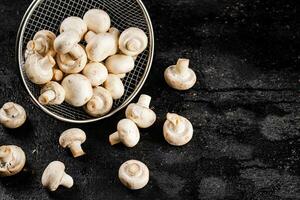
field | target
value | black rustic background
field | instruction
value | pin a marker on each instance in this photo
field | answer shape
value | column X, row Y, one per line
column 245, row 109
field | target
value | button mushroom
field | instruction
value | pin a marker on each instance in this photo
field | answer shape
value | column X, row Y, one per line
column 95, row 72
column 58, row 75
column 42, row 43
column 54, row 176
column 127, row 133
column 177, row 130
column 75, row 24
column 72, row 62
column 97, row 20
column 133, row 41
column 12, row 160
column 52, row 94
column 134, row 174
column 102, row 45
column 78, row 89
column 73, row 138
column 100, row 104
column 140, row 112
column 119, row 64
column 180, row 76
column 115, row 86
column 65, row 42
column 39, row 69
column 12, row 115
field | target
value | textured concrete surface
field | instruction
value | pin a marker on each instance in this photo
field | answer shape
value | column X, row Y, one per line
column 245, row 109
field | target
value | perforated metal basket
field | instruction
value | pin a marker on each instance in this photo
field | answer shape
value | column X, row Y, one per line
column 48, row 14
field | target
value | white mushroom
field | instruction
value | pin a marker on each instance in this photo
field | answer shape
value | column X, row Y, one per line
column 39, row 69
column 58, row 75
column 75, row 24
column 97, row 20
column 78, row 89
column 127, row 133
column 42, row 43
column 134, row 174
column 102, row 45
column 54, row 176
column 140, row 112
column 133, row 41
column 100, row 104
column 12, row 115
column 180, row 76
column 95, row 72
column 177, row 130
column 88, row 36
column 73, row 138
column 115, row 86
column 52, row 94
column 12, row 160
column 119, row 64
column 72, row 62
column 65, row 42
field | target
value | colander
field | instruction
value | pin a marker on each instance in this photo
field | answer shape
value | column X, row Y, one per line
column 48, row 14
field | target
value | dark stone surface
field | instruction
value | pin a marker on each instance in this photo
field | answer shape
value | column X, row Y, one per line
column 245, row 109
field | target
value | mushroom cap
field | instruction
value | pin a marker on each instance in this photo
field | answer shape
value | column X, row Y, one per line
column 38, row 69
column 180, row 78
column 97, row 20
column 128, row 132
column 78, row 89
column 100, row 47
column 142, row 116
column 134, row 174
column 53, row 174
column 95, row 72
column 177, row 130
column 12, row 115
column 100, row 104
column 133, row 41
column 42, row 43
column 17, row 162
column 70, row 65
column 72, row 135
column 57, row 89
column 75, row 24
column 119, row 64
column 65, row 42
column 115, row 86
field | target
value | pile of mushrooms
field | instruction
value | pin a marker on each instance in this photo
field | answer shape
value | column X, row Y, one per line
column 83, row 76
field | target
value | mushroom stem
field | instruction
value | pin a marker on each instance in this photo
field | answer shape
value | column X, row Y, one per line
column 133, row 45
column 114, row 138
column 67, row 181
column 175, row 121
column 144, row 100
column 76, row 149
column 47, row 96
column 182, row 65
column 57, row 75
column 35, row 44
column 88, row 36
column 75, row 53
column 10, row 110
column 47, row 62
column 95, row 103
column 5, row 154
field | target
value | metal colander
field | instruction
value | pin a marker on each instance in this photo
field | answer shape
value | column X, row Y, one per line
column 48, row 14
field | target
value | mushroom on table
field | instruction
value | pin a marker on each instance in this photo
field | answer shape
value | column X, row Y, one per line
column 134, row 174
column 73, row 138
column 54, row 176
column 12, row 160
column 12, row 115
column 127, row 133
